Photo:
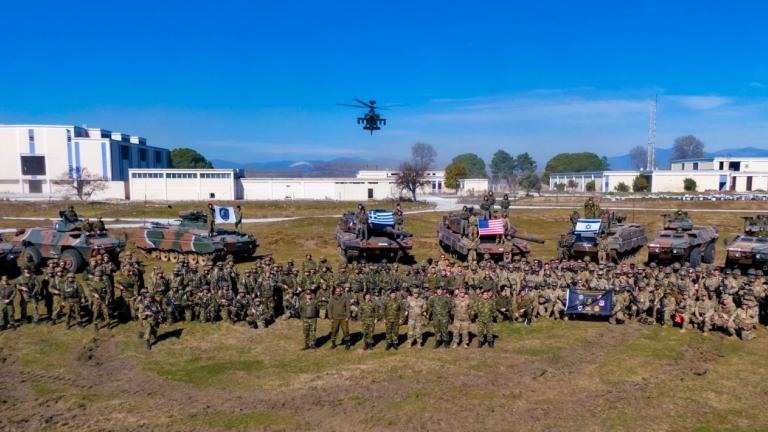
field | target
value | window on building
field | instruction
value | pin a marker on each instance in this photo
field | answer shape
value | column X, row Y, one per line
column 33, row 165
column 181, row 175
column 158, row 157
column 215, row 175
column 125, row 152
column 146, row 175
column 143, row 155
column 36, row 186
column 69, row 136
column 695, row 166
column 749, row 184
column 211, row 195
column 722, row 165
column 682, row 166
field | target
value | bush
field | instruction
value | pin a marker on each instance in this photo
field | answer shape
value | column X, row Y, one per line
column 590, row 186
column 559, row 187
column 640, row 184
column 622, row 187
column 689, row 185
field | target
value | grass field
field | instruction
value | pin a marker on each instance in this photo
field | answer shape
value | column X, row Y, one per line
column 584, row 375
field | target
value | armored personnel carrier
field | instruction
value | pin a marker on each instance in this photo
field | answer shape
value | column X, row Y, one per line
column 751, row 248
column 451, row 240
column 189, row 238
column 621, row 239
column 681, row 240
column 383, row 242
column 65, row 241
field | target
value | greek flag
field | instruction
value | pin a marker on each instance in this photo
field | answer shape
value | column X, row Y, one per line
column 381, row 217
column 224, row 214
column 587, row 226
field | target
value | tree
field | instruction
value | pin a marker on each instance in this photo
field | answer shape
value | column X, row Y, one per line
column 572, row 184
column 525, row 163
column 188, row 158
column 474, row 165
column 606, row 165
column 503, row 167
column 622, row 187
column 574, row 162
column 83, row 184
column 639, row 156
column 423, row 154
column 411, row 178
column 453, row 173
column 687, row 147
column 559, row 187
column 689, row 185
column 590, row 186
column 640, row 184
column 530, row 181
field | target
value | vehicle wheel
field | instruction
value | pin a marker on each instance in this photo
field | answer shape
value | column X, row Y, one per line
column 192, row 258
column 709, row 254
column 695, row 258
column 164, row 255
column 173, row 256
column 729, row 263
column 73, row 261
column 32, row 256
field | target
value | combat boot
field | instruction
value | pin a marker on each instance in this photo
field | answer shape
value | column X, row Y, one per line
column 149, row 346
column 347, row 346
column 394, row 345
column 306, row 347
column 446, row 344
column 389, row 346
column 52, row 322
column 333, row 345
column 490, row 343
column 438, row 342
column 480, row 342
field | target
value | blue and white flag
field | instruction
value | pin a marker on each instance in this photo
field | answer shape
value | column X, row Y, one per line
column 587, row 226
column 224, row 214
column 381, row 217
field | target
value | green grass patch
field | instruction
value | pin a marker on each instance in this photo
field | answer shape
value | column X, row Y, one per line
column 244, row 421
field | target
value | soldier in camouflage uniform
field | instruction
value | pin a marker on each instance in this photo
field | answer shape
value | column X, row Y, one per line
column 211, row 220
column 392, row 312
column 439, row 308
column 7, row 296
column 486, row 315
column 416, row 311
column 367, row 313
column 102, row 293
column 257, row 314
column 150, row 313
column 31, row 293
column 72, row 297
column 462, row 318
column 308, row 312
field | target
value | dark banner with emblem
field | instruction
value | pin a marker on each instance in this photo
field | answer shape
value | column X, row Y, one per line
column 589, row 302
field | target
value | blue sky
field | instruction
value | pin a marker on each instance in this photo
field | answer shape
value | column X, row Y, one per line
column 259, row 81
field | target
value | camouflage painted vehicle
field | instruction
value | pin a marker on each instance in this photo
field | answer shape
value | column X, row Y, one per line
column 9, row 255
column 384, row 242
column 189, row 239
column 681, row 240
column 750, row 250
column 66, row 242
column 621, row 239
column 451, row 241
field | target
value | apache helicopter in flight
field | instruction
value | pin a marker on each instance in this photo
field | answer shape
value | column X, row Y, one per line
column 371, row 120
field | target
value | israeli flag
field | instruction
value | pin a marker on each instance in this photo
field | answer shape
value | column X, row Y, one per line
column 587, row 226
column 381, row 217
column 224, row 214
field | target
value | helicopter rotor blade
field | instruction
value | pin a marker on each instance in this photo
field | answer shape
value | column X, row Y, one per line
column 355, row 106
column 364, row 103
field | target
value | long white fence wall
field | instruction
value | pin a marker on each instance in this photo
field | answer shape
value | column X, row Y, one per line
column 345, row 189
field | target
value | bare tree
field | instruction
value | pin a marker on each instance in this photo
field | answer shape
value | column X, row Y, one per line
column 423, row 154
column 411, row 178
column 639, row 156
column 687, row 147
column 82, row 183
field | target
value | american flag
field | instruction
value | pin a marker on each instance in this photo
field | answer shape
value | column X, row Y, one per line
column 491, row 226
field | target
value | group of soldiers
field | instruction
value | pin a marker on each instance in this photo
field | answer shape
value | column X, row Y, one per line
column 362, row 220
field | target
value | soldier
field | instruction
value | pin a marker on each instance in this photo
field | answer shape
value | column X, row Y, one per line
column 87, row 226
column 367, row 314
column 150, row 312
column 238, row 219
column 211, row 220
column 361, row 221
column 486, row 208
column 745, row 323
column 399, row 217
column 392, row 310
column 99, row 226
column 204, row 305
column 102, row 294
column 575, row 216
column 226, row 303
column 504, row 204
column 464, row 218
column 339, row 312
column 472, row 246
column 257, row 314
column 474, row 231
column 31, row 292
column 7, row 295
column 462, row 318
column 72, row 297
column 439, row 308
column 416, row 310
column 308, row 312
column 126, row 284
column 70, row 215
column 486, row 315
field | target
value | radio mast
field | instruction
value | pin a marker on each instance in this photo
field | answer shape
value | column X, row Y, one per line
column 652, row 136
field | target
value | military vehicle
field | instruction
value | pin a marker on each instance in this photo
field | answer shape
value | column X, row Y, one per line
column 451, row 241
column 383, row 242
column 751, row 248
column 66, row 242
column 188, row 238
column 681, row 240
column 621, row 239
column 9, row 255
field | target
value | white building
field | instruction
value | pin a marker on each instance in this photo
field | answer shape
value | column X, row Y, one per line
column 721, row 174
column 35, row 156
column 184, row 184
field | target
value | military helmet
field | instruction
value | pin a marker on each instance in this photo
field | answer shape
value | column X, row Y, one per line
column 98, row 273
column 70, row 275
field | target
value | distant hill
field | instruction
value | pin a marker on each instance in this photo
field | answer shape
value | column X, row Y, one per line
column 338, row 167
column 664, row 157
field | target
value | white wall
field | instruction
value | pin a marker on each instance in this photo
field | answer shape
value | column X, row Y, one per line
column 177, row 185
column 345, row 189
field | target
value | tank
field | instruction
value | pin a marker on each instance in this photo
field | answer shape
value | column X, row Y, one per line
column 9, row 255
column 622, row 239
column 67, row 242
column 750, row 250
column 188, row 238
column 384, row 243
column 681, row 240
column 451, row 241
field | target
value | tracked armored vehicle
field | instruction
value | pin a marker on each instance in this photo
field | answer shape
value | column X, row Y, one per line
column 65, row 241
column 620, row 239
column 188, row 238
column 451, row 240
column 681, row 240
column 750, row 250
column 383, row 242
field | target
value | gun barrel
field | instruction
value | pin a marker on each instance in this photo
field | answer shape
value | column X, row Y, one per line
column 530, row 239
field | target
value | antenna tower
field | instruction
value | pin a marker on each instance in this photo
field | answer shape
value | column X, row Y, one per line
column 652, row 136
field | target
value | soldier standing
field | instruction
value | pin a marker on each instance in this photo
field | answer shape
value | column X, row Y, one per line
column 399, row 217
column 31, row 292
column 504, row 204
column 211, row 219
column 339, row 312
column 416, row 310
column 102, row 293
column 71, row 297
column 308, row 312
column 257, row 314
column 462, row 318
column 486, row 314
column 439, row 308
column 361, row 220
column 474, row 231
column 464, row 218
column 238, row 218
column 150, row 313
column 7, row 295
column 486, row 207
column 99, row 226
column 392, row 310
column 367, row 313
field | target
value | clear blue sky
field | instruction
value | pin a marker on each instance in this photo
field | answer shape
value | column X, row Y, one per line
column 258, row 81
